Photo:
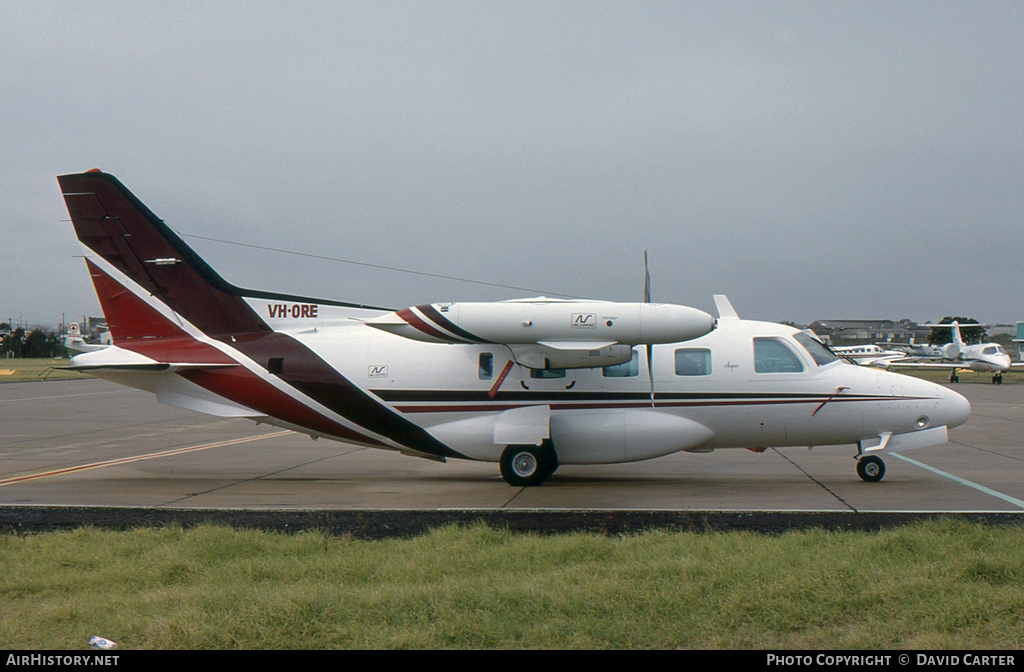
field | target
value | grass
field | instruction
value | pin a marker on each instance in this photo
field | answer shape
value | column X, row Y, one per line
column 940, row 585
column 35, row 369
column 967, row 376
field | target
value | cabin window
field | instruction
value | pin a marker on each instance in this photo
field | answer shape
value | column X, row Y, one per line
column 819, row 353
column 772, row 355
column 547, row 373
column 625, row 370
column 485, row 368
column 693, row 362
column 275, row 365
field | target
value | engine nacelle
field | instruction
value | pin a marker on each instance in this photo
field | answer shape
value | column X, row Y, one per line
column 628, row 435
column 542, row 320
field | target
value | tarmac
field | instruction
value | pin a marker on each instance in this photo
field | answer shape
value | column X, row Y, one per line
column 92, row 452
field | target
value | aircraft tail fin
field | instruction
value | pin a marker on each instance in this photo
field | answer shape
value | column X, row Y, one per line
column 117, row 227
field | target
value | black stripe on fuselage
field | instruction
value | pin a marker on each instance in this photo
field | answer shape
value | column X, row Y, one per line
column 304, row 370
column 440, row 320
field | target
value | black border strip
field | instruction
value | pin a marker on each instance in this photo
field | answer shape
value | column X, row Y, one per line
column 405, row 523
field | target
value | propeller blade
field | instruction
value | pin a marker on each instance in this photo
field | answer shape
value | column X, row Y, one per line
column 650, row 370
column 650, row 348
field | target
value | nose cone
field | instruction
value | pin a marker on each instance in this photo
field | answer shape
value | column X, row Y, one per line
column 669, row 323
column 954, row 408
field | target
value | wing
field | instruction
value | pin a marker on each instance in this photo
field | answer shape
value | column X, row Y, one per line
column 936, row 366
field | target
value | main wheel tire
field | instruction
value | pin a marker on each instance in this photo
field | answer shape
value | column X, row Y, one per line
column 523, row 466
column 871, row 468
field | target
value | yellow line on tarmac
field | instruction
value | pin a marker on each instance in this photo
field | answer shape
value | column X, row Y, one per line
column 139, row 458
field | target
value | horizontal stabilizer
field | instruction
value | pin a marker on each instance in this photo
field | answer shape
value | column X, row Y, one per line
column 117, row 358
column 157, row 366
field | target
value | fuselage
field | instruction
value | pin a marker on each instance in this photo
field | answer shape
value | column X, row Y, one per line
column 986, row 357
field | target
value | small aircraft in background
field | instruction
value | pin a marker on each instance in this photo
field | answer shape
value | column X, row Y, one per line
column 957, row 355
column 869, row 355
column 911, row 349
column 73, row 340
column 529, row 384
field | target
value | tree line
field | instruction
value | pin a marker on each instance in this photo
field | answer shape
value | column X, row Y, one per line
column 35, row 343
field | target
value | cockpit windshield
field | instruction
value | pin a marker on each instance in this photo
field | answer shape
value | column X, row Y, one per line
column 819, row 352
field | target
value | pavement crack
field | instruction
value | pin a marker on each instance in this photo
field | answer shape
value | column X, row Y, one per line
column 246, row 480
column 513, row 498
column 820, row 484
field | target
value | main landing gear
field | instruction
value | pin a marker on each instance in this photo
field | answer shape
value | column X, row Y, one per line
column 997, row 377
column 871, row 468
column 525, row 465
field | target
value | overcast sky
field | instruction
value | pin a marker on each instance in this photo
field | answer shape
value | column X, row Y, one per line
column 811, row 160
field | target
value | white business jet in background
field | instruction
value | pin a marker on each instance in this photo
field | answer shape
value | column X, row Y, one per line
column 957, row 355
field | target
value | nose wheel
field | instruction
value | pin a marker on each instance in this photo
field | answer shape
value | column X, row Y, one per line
column 871, row 468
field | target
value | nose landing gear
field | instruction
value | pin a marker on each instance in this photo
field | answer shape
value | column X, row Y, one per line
column 871, row 468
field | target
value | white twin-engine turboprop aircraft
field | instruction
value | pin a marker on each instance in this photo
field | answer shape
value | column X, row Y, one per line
column 530, row 384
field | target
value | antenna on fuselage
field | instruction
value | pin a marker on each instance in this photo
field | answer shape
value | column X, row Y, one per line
column 725, row 309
